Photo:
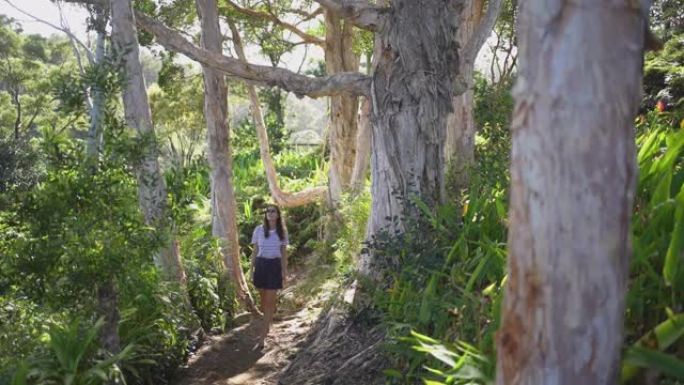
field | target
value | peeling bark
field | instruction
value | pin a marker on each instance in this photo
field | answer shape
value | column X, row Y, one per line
column 362, row 156
column 340, row 58
column 412, row 87
column 223, row 202
column 573, row 173
column 460, row 137
column 361, row 13
column 151, row 185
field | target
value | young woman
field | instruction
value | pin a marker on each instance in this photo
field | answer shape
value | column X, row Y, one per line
column 269, row 260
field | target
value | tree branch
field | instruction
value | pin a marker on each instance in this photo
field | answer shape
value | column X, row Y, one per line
column 361, row 13
column 482, row 32
column 342, row 83
column 307, row 16
column 282, row 198
column 275, row 20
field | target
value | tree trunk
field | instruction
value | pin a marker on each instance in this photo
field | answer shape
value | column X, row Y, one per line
column 573, row 173
column 411, row 92
column 362, row 156
column 223, row 203
column 151, row 185
column 340, row 57
column 17, row 105
column 460, row 136
column 281, row 198
column 107, row 299
column 97, row 110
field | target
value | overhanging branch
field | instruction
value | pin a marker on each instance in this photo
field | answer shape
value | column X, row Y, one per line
column 361, row 13
column 353, row 83
column 275, row 20
column 482, row 32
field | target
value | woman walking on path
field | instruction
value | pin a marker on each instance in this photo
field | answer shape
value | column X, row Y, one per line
column 269, row 260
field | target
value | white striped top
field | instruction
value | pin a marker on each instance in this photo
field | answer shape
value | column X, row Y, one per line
column 268, row 247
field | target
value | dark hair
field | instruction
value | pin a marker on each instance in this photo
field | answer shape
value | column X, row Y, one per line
column 280, row 227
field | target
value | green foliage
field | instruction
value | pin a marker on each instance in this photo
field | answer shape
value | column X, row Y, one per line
column 658, row 340
column 155, row 319
column 462, row 364
column 18, row 343
column 18, row 165
column 667, row 17
column 78, row 228
column 452, row 266
column 664, row 76
column 656, row 279
column 274, row 118
column 354, row 212
column 493, row 110
column 450, row 287
column 73, row 358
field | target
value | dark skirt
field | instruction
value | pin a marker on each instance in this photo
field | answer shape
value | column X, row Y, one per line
column 268, row 273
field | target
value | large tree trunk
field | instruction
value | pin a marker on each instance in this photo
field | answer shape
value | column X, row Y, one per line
column 460, row 136
column 411, row 94
column 223, row 203
column 340, row 57
column 281, row 198
column 151, row 185
column 573, row 177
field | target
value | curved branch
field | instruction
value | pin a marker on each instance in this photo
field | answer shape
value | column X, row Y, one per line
column 484, row 29
column 275, row 20
column 342, row 83
column 281, row 198
column 361, row 13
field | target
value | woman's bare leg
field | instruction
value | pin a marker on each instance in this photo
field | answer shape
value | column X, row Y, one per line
column 261, row 299
column 268, row 306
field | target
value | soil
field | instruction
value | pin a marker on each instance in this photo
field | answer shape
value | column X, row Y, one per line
column 306, row 345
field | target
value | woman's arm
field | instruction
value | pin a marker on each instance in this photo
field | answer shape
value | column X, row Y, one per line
column 255, row 252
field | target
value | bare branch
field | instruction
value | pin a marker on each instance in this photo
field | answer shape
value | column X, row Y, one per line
column 275, row 20
column 67, row 31
column 361, row 13
column 342, row 83
column 484, row 29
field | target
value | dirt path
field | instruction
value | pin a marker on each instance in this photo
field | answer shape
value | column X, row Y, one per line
column 231, row 360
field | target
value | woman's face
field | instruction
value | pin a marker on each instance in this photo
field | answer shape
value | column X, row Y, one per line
column 272, row 213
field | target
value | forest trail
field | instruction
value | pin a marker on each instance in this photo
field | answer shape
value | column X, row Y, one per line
column 230, row 359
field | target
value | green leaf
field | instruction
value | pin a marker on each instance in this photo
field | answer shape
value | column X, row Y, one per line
column 675, row 250
column 431, row 382
column 392, row 373
column 662, row 190
column 653, row 359
column 661, row 338
column 20, row 375
column 423, row 338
